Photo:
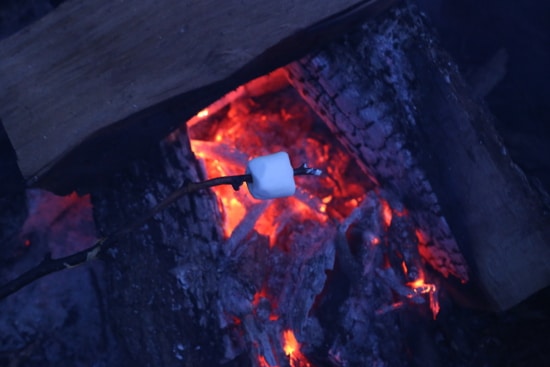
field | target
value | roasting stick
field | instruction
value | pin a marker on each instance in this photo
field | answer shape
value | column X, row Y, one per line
column 267, row 177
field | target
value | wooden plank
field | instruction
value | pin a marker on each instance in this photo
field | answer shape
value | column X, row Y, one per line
column 90, row 64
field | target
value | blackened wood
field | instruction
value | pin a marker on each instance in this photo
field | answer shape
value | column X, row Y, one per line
column 90, row 64
column 400, row 105
column 359, row 88
column 159, row 321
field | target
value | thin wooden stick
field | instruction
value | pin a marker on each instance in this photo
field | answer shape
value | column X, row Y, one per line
column 49, row 265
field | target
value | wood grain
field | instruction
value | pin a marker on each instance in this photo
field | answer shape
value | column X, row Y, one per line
column 90, row 64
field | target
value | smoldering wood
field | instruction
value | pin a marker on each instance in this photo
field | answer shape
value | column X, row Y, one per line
column 159, row 321
column 91, row 75
column 398, row 102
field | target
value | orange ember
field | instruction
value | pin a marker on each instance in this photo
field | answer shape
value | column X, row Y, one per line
column 421, row 237
column 387, row 214
column 291, row 348
column 404, row 267
column 419, row 286
column 202, row 114
column 263, row 363
column 291, row 344
column 226, row 136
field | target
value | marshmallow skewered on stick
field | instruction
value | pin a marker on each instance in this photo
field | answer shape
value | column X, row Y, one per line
column 267, row 177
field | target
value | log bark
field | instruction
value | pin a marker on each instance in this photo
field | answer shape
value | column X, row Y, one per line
column 399, row 103
column 90, row 64
column 159, row 320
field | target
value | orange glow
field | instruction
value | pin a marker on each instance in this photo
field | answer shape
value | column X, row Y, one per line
column 263, row 363
column 375, row 241
column 202, row 114
column 236, row 320
column 291, row 344
column 291, row 348
column 404, row 267
column 419, row 287
column 387, row 214
column 434, row 305
column 244, row 129
column 421, row 237
column 401, row 213
column 262, row 293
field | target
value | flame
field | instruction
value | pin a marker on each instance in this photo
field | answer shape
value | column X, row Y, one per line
column 420, row 287
column 404, row 267
column 291, row 348
column 244, row 130
column 291, row 345
column 202, row 114
column 387, row 214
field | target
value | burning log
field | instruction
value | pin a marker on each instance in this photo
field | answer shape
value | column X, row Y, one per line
column 390, row 94
column 363, row 96
column 374, row 249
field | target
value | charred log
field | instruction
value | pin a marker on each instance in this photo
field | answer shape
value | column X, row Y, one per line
column 159, row 319
column 394, row 98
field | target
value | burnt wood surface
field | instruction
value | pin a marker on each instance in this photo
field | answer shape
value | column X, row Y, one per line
column 399, row 103
column 90, row 65
column 158, row 321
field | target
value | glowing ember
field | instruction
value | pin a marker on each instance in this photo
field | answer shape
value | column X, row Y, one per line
column 421, row 236
column 419, row 287
column 226, row 141
column 258, row 296
column 404, row 267
column 387, row 214
column 292, row 350
column 291, row 344
column 263, row 363
column 202, row 114
column 240, row 127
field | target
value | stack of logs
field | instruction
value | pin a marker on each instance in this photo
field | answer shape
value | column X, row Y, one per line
column 386, row 89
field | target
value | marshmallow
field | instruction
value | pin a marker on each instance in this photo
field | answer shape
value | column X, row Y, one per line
column 272, row 176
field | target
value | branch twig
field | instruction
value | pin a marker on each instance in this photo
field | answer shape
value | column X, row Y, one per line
column 49, row 265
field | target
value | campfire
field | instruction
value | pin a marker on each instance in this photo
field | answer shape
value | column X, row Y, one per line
column 339, row 225
column 205, row 261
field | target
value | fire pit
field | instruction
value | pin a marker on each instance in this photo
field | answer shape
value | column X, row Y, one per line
column 356, row 268
column 342, row 216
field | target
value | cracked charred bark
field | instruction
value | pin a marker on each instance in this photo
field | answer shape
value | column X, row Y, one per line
column 397, row 101
column 160, row 320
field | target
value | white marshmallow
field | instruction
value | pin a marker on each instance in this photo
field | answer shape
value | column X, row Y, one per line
column 272, row 176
